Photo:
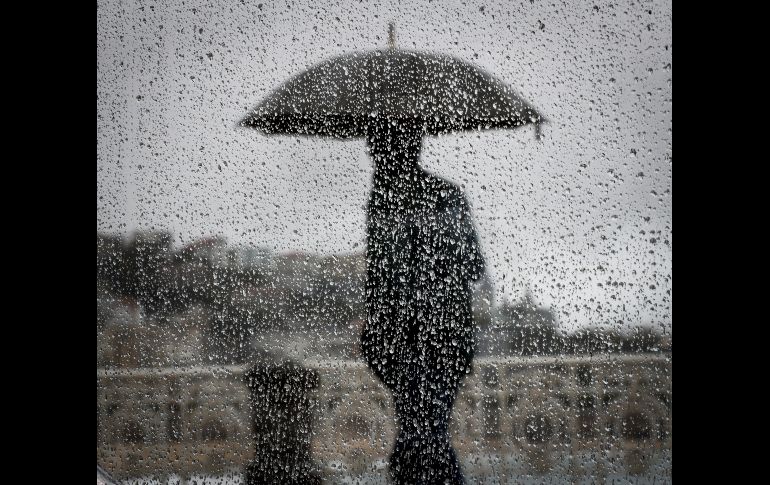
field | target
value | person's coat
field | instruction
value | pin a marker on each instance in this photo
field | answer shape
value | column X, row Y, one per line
column 422, row 257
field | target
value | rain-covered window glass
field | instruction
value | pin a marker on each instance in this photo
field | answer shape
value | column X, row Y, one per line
column 384, row 242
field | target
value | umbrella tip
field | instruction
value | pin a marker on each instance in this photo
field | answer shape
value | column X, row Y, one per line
column 392, row 35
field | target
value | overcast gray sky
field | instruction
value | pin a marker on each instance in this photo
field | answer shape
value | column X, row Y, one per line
column 583, row 216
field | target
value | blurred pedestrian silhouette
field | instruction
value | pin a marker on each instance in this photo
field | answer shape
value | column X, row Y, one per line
column 282, row 420
column 422, row 256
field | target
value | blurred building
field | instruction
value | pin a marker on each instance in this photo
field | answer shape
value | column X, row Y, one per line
column 171, row 401
column 529, row 413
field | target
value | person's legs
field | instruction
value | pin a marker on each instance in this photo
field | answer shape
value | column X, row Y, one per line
column 423, row 453
column 405, row 460
column 444, row 465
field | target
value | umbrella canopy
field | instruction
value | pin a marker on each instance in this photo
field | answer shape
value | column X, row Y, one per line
column 437, row 93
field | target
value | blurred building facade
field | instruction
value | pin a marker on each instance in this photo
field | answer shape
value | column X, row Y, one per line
column 176, row 330
column 520, row 415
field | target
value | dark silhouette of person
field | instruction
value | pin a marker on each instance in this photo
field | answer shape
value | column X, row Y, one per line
column 422, row 257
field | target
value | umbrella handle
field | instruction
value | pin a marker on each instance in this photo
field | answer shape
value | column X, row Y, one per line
column 539, row 131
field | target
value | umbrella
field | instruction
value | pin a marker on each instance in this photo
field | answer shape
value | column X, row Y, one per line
column 437, row 93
